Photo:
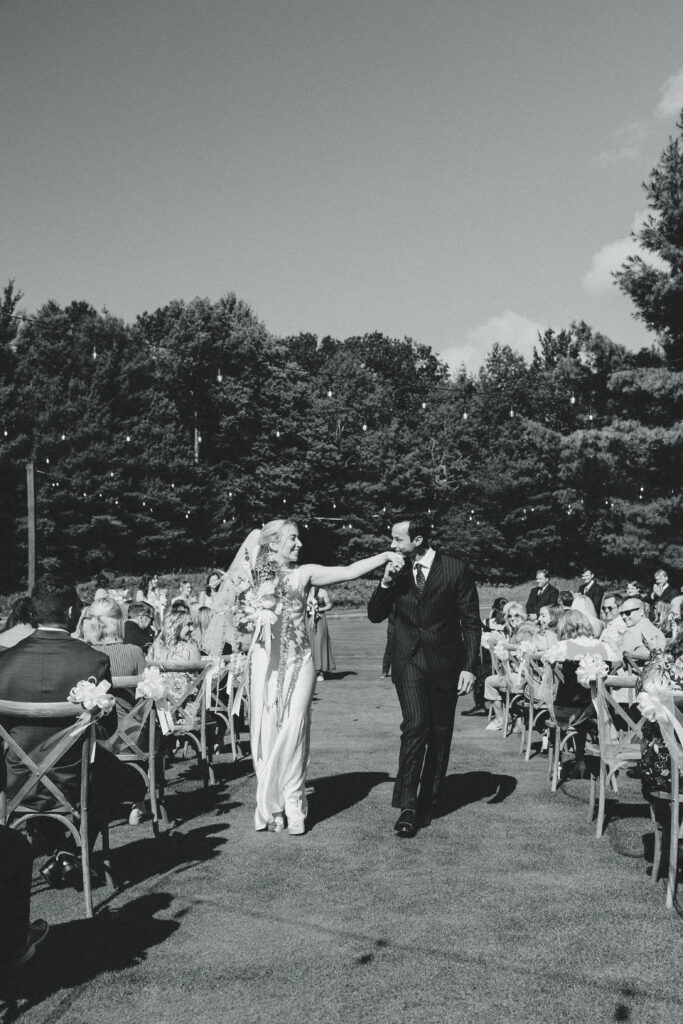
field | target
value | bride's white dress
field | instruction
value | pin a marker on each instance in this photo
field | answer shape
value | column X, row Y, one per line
column 282, row 684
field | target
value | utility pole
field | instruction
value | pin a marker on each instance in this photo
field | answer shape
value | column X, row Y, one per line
column 31, row 523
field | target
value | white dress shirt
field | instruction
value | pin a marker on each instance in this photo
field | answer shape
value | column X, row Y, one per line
column 425, row 560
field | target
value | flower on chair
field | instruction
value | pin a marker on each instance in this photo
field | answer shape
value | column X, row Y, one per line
column 91, row 695
column 591, row 668
column 153, row 685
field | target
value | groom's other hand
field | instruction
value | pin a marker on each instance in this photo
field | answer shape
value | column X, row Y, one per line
column 393, row 566
column 465, row 682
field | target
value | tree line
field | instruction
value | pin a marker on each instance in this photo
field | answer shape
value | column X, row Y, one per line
column 158, row 444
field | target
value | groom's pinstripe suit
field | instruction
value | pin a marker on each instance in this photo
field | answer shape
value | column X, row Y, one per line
column 436, row 635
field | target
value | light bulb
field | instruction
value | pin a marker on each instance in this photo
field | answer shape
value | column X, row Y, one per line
column 219, row 377
column 329, row 392
column 464, row 416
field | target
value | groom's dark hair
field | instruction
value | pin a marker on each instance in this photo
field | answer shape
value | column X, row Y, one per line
column 420, row 526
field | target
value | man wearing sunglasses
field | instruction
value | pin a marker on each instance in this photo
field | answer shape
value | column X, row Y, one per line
column 615, row 627
column 641, row 636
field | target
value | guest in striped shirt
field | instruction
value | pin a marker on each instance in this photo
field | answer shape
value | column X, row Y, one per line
column 101, row 626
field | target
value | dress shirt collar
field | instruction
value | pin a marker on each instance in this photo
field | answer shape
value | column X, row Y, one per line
column 425, row 559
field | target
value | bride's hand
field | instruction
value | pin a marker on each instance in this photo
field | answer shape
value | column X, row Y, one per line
column 394, row 564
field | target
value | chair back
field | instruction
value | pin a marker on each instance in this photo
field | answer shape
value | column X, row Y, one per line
column 133, row 719
column 79, row 732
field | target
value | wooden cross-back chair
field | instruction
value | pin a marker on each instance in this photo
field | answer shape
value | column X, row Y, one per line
column 136, row 742
column 189, row 712
column 513, row 695
column 673, row 798
column 532, row 670
column 562, row 733
column 225, row 689
column 619, row 741
column 79, row 733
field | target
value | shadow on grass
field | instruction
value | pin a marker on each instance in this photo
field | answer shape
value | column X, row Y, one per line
column 137, row 861
column 469, row 788
column 77, row 952
column 331, row 677
column 333, row 794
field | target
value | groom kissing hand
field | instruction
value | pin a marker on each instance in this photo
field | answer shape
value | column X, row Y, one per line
column 437, row 632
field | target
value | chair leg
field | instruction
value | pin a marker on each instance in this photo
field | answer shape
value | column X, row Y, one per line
column 530, row 728
column 556, row 762
column 672, row 883
column 106, row 856
column 591, row 797
column 657, row 855
column 600, row 824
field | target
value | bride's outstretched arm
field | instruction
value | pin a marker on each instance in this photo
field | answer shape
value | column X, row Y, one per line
column 325, row 575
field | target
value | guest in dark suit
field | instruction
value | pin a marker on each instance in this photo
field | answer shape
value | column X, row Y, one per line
column 437, row 633
column 592, row 589
column 542, row 595
column 43, row 668
column 137, row 629
column 662, row 589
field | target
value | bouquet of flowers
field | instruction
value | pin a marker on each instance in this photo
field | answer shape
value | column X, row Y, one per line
column 259, row 599
column 93, row 695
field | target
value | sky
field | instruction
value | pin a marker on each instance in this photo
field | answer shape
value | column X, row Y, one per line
column 456, row 171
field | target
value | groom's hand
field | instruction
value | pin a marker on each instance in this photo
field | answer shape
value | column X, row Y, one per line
column 465, row 682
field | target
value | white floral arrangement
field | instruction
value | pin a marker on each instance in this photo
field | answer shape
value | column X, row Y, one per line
column 554, row 653
column 501, row 652
column 663, row 673
column 527, row 648
column 153, row 685
column 591, row 668
column 92, row 695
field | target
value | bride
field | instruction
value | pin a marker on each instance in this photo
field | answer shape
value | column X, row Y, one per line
column 264, row 594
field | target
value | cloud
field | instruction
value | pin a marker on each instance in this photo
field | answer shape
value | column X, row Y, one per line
column 628, row 144
column 598, row 280
column 509, row 328
column 671, row 99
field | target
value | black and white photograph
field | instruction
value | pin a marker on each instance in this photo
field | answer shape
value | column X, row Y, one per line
column 341, row 511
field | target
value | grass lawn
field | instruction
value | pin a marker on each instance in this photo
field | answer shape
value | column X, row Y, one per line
column 507, row 909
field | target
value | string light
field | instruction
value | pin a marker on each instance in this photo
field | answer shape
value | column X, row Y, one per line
column 572, row 400
column 94, row 353
column 424, row 405
column 464, row 415
column 329, row 392
column 277, row 431
column 127, row 437
column 219, row 377
column 63, row 437
column 512, row 413
column 47, row 462
column 365, row 427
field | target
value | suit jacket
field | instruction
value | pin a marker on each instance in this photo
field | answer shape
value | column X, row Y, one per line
column 536, row 601
column 135, row 634
column 43, row 668
column 595, row 592
column 667, row 595
column 443, row 621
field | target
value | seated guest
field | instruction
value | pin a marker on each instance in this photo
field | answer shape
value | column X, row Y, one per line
column 21, row 622
column 661, row 617
column 137, row 629
column 676, row 617
column 517, row 626
column 19, row 937
column 640, row 636
column 175, row 641
column 202, row 618
column 517, row 629
column 547, row 627
column 102, row 584
column 583, row 604
column 184, row 593
column 496, row 620
column 591, row 589
column 572, row 700
column 614, row 626
column 43, row 668
column 566, row 599
column 543, row 593
column 102, row 627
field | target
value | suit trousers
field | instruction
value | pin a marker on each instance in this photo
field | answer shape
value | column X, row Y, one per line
column 16, row 865
column 426, row 734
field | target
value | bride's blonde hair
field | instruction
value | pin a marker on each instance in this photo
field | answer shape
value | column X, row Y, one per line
column 270, row 534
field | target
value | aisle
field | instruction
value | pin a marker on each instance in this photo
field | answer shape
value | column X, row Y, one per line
column 505, row 910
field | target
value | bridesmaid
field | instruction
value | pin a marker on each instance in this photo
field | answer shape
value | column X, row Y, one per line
column 318, row 604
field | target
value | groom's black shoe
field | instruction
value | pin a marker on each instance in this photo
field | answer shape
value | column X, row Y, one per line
column 476, row 710
column 406, row 827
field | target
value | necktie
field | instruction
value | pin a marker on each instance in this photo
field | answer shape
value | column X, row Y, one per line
column 419, row 578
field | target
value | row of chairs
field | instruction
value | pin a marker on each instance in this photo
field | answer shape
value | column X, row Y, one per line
column 530, row 685
column 192, row 718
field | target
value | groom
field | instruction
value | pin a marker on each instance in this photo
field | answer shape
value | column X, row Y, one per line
column 437, row 632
